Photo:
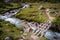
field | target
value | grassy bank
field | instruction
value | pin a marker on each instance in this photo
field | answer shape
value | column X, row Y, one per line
column 33, row 14
column 7, row 29
column 7, row 6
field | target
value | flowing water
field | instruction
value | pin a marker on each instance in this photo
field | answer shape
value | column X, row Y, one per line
column 18, row 23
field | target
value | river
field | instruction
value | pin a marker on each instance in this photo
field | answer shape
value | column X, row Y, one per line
column 8, row 16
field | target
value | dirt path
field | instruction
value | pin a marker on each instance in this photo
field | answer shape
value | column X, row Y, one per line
column 49, row 16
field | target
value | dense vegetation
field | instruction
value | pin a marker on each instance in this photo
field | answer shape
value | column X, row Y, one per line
column 34, row 14
column 56, row 24
column 8, row 6
column 7, row 29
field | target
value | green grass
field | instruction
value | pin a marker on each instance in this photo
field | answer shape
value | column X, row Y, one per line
column 52, row 6
column 33, row 14
column 7, row 6
column 43, row 38
column 9, row 30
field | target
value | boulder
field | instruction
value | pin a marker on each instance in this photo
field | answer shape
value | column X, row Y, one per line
column 41, row 8
column 7, row 38
column 47, row 10
column 26, row 6
column 52, row 35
